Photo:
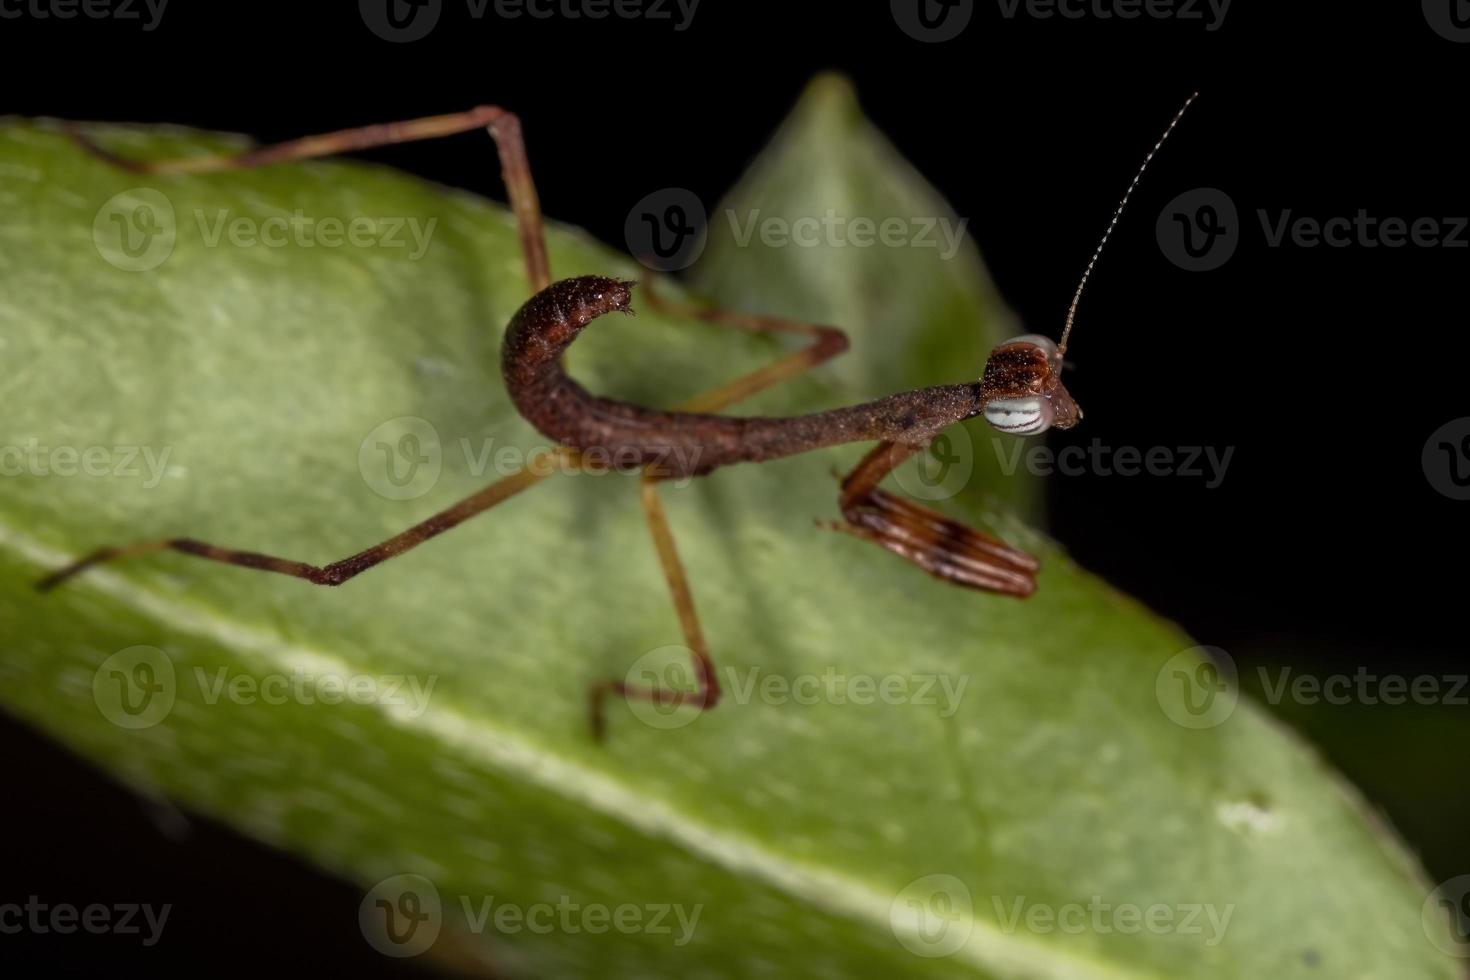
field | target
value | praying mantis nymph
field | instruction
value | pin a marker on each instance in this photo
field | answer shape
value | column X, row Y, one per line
column 1020, row 391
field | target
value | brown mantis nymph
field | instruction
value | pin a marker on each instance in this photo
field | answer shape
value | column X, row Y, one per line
column 1020, row 391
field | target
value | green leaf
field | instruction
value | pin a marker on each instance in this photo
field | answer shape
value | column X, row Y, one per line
column 802, row 834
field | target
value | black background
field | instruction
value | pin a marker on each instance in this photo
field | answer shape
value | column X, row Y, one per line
column 1326, row 368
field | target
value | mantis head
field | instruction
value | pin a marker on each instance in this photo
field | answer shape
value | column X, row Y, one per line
column 1022, row 387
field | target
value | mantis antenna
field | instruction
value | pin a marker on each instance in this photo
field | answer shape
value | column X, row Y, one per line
column 1077, row 296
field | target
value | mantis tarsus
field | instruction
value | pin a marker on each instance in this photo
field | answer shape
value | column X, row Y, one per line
column 1020, row 391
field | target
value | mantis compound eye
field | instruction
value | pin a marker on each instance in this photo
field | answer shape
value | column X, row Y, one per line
column 1021, row 416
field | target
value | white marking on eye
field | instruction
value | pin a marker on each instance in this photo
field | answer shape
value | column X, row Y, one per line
column 1020, row 416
